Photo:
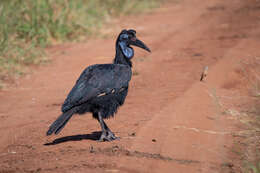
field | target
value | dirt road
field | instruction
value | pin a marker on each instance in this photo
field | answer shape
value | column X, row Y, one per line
column 171, row 122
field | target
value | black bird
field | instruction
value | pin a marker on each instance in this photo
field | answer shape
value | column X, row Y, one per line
column 102, row 88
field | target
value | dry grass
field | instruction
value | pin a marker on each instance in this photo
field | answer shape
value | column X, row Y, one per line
column 28, row 26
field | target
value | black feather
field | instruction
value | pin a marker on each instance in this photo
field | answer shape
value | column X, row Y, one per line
column 61, row 122
column 97, row 79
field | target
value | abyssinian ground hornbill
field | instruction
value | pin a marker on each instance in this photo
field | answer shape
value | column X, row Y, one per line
column 102, row 88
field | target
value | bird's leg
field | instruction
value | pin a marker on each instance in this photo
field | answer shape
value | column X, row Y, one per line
column 106, row 132
column 102, row 124
column 110, row 134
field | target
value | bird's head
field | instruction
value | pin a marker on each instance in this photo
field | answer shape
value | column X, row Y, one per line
column 127, row 38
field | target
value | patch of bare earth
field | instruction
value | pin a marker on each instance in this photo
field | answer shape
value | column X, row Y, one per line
column 171, row 122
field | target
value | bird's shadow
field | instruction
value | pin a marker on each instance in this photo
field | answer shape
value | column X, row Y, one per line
column 93, row 136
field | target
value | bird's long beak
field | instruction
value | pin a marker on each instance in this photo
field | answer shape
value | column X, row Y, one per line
column 139, row 43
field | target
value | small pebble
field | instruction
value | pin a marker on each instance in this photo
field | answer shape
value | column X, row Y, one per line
column 132, row 134
column 91, row 149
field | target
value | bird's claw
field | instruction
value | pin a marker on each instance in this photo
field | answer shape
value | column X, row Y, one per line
column 108, row 136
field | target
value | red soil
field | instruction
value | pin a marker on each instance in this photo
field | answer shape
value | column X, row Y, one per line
column 171, row 122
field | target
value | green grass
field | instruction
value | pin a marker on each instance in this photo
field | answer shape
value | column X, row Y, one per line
column 254, row 168
column 251, row 152
column 28, row 26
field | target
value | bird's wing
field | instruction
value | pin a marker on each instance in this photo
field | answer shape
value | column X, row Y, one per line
column 96, row 80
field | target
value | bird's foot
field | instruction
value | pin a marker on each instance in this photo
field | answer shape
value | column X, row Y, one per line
column 108, row 136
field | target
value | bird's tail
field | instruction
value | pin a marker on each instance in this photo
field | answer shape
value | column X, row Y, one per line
column 62, row 120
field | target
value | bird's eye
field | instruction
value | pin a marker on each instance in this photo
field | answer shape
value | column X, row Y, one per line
column 123, row 37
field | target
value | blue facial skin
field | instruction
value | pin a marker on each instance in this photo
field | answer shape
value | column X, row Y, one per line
column 127, row 51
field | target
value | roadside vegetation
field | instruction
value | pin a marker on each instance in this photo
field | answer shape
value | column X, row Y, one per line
column 243, row 105
column 252, row 138
column 28, row 26
column 248, row 146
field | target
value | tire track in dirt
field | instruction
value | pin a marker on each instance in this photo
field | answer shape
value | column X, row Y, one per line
column 160, row 125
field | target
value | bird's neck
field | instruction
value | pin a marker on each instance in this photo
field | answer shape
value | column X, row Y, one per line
column 120, row 58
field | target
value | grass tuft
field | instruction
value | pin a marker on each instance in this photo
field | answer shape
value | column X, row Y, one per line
column 28, row 26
